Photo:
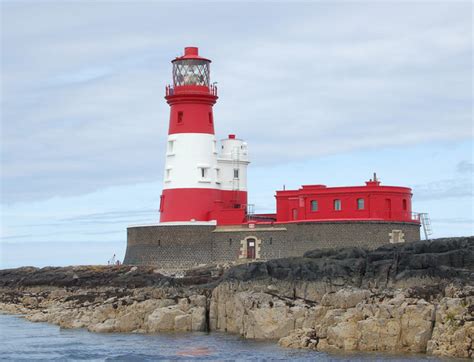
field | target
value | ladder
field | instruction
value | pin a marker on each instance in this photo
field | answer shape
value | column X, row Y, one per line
column 426, row 224
column 235, row 155
column 250, row 211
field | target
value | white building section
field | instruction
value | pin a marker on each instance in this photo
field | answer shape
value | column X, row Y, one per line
column 192, row 161
column 232, row 162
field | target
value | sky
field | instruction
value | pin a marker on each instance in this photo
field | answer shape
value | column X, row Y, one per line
column 324, row 92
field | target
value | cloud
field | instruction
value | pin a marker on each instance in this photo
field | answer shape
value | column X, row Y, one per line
column 83, row 84
column 465, row 167
column 449, row 188
column 454, row 220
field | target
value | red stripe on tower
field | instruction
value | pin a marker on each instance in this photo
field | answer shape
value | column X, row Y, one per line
column 192, row 96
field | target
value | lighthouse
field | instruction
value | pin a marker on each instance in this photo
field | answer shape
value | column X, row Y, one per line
column 204, row 213
column 203, row 180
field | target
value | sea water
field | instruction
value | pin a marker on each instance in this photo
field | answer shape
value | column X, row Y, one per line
column 21, row 340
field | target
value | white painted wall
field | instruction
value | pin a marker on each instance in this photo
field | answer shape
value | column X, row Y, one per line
column 186, row 154
column 233, row 155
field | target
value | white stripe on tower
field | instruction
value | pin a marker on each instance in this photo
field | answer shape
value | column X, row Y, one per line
column 191, row 161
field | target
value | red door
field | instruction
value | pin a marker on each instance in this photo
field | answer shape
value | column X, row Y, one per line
column 250, row 248
column 294, row 214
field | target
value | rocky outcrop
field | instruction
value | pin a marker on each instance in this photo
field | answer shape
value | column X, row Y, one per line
column 453, row 332
column 396, row 265
column 350, row 319
column 139, row 312
column 416, row 297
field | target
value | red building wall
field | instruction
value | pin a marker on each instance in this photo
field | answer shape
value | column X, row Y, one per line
column 379, row 203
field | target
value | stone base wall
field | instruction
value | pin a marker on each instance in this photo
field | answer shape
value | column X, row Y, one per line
column 181, row 246
column 169, row 246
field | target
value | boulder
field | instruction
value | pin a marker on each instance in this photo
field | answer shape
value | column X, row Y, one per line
column 198, row 319
column 300, row 338
column 183, row 323
column 163, row 319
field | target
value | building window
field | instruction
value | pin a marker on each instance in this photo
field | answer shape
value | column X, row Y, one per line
column 337, row 205
column 404, row 204
column 314, row 205
column 162, row 203
column 360, row 204
column 218, row 175
column 170, row 147
column 210, row 118
column 203, row 172
column 180, row 117
column 236, row 173
column 168, row 174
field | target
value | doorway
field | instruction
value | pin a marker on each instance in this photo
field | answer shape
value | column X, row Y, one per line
column 250, row 248
column 294, row 214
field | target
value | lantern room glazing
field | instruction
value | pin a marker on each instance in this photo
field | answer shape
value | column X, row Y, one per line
column 191, row 72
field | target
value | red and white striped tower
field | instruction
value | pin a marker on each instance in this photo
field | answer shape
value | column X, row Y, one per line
column 192, row 181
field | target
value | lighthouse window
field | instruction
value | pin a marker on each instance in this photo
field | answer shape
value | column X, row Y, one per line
column 162, row 203
column 404, row 204
column 236, row 173
column 210, row 117
column 337, row 205
column 168, row 174
column 180, row 117
column 170, row 147
column 204, row 174
column 314, row 205
column 360, row 204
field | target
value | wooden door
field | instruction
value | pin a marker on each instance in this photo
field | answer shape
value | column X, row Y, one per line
column 250, row 248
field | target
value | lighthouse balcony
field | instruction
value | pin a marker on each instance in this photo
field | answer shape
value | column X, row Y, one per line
column 190, row 89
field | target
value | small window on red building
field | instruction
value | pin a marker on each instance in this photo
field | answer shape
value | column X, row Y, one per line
column 404, row 204
column 314, row 205
column 162, row 203
column 360, row 204
column 210, row 118
column 337, row 205
column 180, row 117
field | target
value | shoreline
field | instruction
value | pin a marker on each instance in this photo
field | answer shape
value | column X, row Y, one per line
column 412, row 298
column 212, row 345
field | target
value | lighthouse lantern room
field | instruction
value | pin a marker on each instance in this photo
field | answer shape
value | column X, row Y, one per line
column 202, row 182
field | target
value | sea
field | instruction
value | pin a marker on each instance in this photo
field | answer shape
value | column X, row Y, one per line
column 21, row 340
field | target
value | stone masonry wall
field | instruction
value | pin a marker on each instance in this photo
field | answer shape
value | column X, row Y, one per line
column 174, row 247
column 169, row 246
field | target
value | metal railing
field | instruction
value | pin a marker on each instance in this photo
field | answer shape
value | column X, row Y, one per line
column 170, row 90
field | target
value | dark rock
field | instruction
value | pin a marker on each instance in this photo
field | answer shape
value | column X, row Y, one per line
column 450, row 259
column 417, row 263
